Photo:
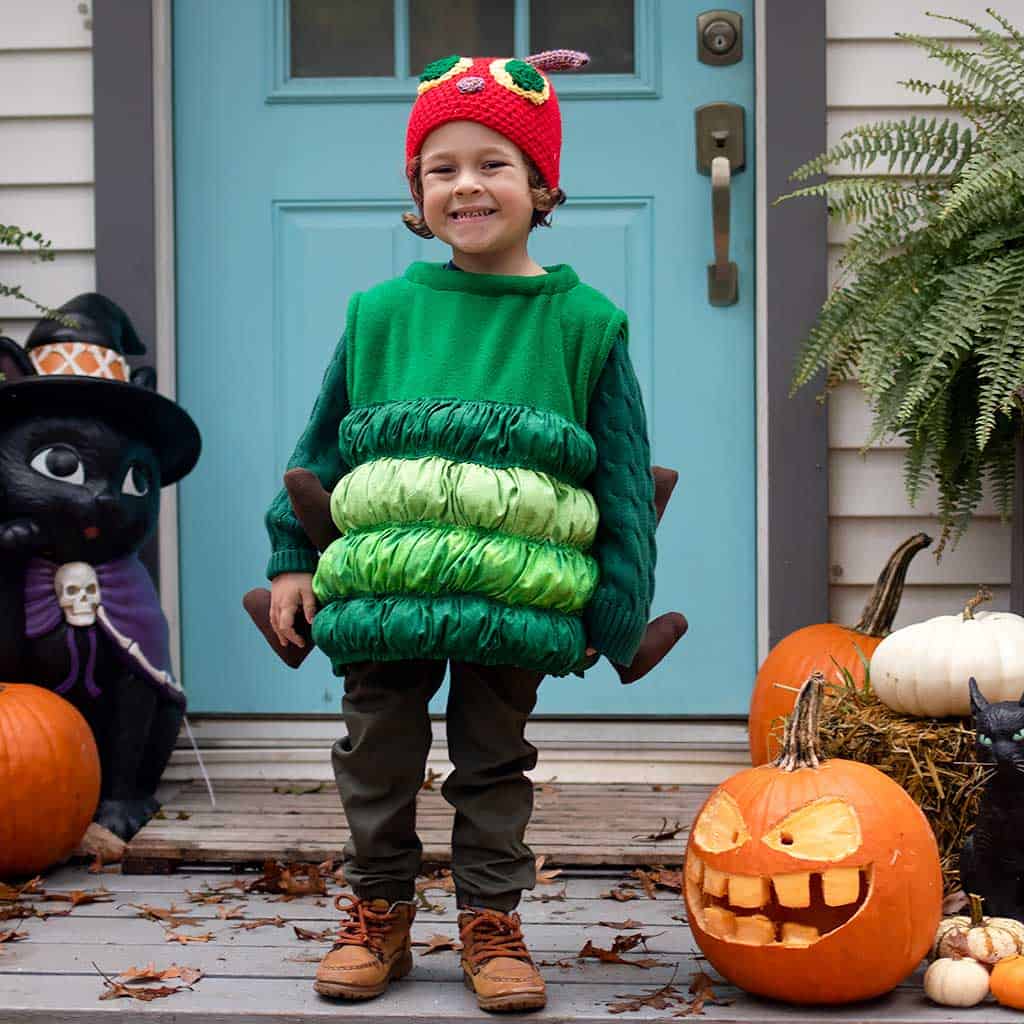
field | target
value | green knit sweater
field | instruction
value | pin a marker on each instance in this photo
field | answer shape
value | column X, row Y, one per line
column 485, row 441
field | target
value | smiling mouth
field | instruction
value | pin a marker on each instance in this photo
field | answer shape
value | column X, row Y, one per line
column 794, row 909
column 460, row 217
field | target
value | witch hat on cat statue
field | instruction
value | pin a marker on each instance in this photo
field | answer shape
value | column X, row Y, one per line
column 85, row 446
column 311, row 505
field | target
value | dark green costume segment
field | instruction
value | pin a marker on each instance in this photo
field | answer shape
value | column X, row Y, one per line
column 458, row 626
column 504, row 371
column 490, row 433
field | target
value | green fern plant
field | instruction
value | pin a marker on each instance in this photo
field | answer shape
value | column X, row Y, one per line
column 932, row 326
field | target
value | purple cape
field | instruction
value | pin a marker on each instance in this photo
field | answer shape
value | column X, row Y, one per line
column 132, row 605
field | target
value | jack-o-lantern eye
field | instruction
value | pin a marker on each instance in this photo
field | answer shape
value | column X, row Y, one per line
column 521, row 78
column 824, row 829
column 441, row 70
column 721, row 826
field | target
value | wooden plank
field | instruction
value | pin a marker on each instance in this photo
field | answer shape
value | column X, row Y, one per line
column 34, row 997
column 62, row 213
column 875, row 19
column 66, row 143
column 49, row 84
column 71, row 273
column 43, row 25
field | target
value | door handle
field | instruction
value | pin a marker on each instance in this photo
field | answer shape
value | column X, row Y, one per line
column 720, row 153
column 723, row 276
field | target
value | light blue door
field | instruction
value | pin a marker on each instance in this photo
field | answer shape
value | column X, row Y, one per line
column 289, row 145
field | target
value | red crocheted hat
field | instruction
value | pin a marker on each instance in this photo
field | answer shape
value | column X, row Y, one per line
column 510, row 96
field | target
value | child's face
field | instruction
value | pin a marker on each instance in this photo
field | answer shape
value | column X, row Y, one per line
column 467, row 165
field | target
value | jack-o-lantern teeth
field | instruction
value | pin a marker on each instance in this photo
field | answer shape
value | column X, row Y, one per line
column 723, row 902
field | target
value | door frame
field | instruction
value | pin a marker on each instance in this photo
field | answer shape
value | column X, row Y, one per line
column 134, row 186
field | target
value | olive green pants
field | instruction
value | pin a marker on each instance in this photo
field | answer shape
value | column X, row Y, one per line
column 380, row 765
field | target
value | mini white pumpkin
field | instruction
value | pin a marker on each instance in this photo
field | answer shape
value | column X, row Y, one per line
column 952, row 982
column 923, row 669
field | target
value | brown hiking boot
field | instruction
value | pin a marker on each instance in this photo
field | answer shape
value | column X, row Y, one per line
column 496, row 964
column 372, row 949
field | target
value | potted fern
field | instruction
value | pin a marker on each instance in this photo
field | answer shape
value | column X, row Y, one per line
column 932, row 326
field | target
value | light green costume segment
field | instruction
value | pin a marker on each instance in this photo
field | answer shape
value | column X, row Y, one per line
column 429, row 559
column 434, row 489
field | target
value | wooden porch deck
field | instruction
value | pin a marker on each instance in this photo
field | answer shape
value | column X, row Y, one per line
column 257, row 967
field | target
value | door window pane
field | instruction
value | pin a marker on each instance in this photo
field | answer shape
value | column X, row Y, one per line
column 470, row 28
column 602, row 28
column 341, row 38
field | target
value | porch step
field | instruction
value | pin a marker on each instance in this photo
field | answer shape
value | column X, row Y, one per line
column 573, row 824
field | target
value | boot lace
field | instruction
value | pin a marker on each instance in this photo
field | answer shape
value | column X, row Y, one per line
column 494, row 934
column 366, row 927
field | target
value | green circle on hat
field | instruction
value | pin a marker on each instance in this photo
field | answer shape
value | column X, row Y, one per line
column 439, row 67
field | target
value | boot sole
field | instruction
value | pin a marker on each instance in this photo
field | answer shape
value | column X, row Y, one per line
column 507, row 1003
column 399, row 969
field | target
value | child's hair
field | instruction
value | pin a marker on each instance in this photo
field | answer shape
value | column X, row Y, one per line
column 544, row 199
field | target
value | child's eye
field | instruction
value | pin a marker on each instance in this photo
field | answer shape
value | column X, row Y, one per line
column 495, row 163
column 984, row 740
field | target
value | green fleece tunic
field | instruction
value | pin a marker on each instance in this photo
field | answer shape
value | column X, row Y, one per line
column 478, row 517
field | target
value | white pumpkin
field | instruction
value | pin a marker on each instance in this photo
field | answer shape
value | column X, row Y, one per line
column 923, row 669
column 952, row 982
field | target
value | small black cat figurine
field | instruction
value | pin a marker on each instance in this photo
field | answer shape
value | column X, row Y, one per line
column 85, row 446
column 992, row 858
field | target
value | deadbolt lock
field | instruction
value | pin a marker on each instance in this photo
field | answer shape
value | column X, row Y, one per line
column 720, row 37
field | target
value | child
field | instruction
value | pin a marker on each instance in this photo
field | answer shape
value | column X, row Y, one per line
column 484, row 435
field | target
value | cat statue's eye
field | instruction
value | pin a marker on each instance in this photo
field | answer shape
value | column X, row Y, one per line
column 59, row 462
column 135, row 483
column 984, row 740
column 1019, row 735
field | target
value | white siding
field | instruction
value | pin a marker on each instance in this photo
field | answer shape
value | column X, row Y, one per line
column 46, row 175
column 868, row 508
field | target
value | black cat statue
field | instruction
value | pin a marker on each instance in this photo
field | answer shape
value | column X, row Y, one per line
column 85, row 446
column 992, row 858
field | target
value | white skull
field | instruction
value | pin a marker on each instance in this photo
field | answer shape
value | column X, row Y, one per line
column 78, row 592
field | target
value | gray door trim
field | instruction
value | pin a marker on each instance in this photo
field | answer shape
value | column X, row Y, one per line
column 794, row 467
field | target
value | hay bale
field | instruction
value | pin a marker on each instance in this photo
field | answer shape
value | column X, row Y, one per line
column 931, row 758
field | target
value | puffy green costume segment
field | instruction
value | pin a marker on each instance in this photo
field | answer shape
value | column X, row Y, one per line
column 462, row 626
column 495, row 434
column 436, row 559
column 514, row 501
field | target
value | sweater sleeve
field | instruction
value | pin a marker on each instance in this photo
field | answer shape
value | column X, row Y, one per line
column 623, row 487
column 317, row 451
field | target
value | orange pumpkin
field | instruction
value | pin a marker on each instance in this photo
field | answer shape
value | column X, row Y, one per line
column 1007, row 982
column 813, row 648
column 49, row 779
column 812, row 881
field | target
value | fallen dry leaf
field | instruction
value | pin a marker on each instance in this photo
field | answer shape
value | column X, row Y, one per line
column 170, row 936
column 310, row 936
column 438, row 943
column 611, row 956
column 660, row 999
column 624, row 925
column 300, row 790
column 127, row 989
column 565, row 964
column 431, row 778
column 260, row 922
column 702, row 992
column 620, row 894
column 188, row 975
column 12, row 936
column 646, row 879
column 183, row 816
column 230, row 913
column 657, row 788
column 172, row 915
column 548, row 897
column 545, row 877
column 663, row 833
column 10, row 893
column 289, row 880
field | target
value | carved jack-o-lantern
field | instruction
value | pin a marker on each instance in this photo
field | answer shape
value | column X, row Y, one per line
column 812, row 881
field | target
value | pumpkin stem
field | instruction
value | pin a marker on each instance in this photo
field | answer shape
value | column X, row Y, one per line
column 983, row 594
column 880, row 610
column 975, row 901
column 800, row 744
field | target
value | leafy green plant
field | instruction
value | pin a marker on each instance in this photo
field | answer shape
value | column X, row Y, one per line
column 13, row 237
column 933, row 324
